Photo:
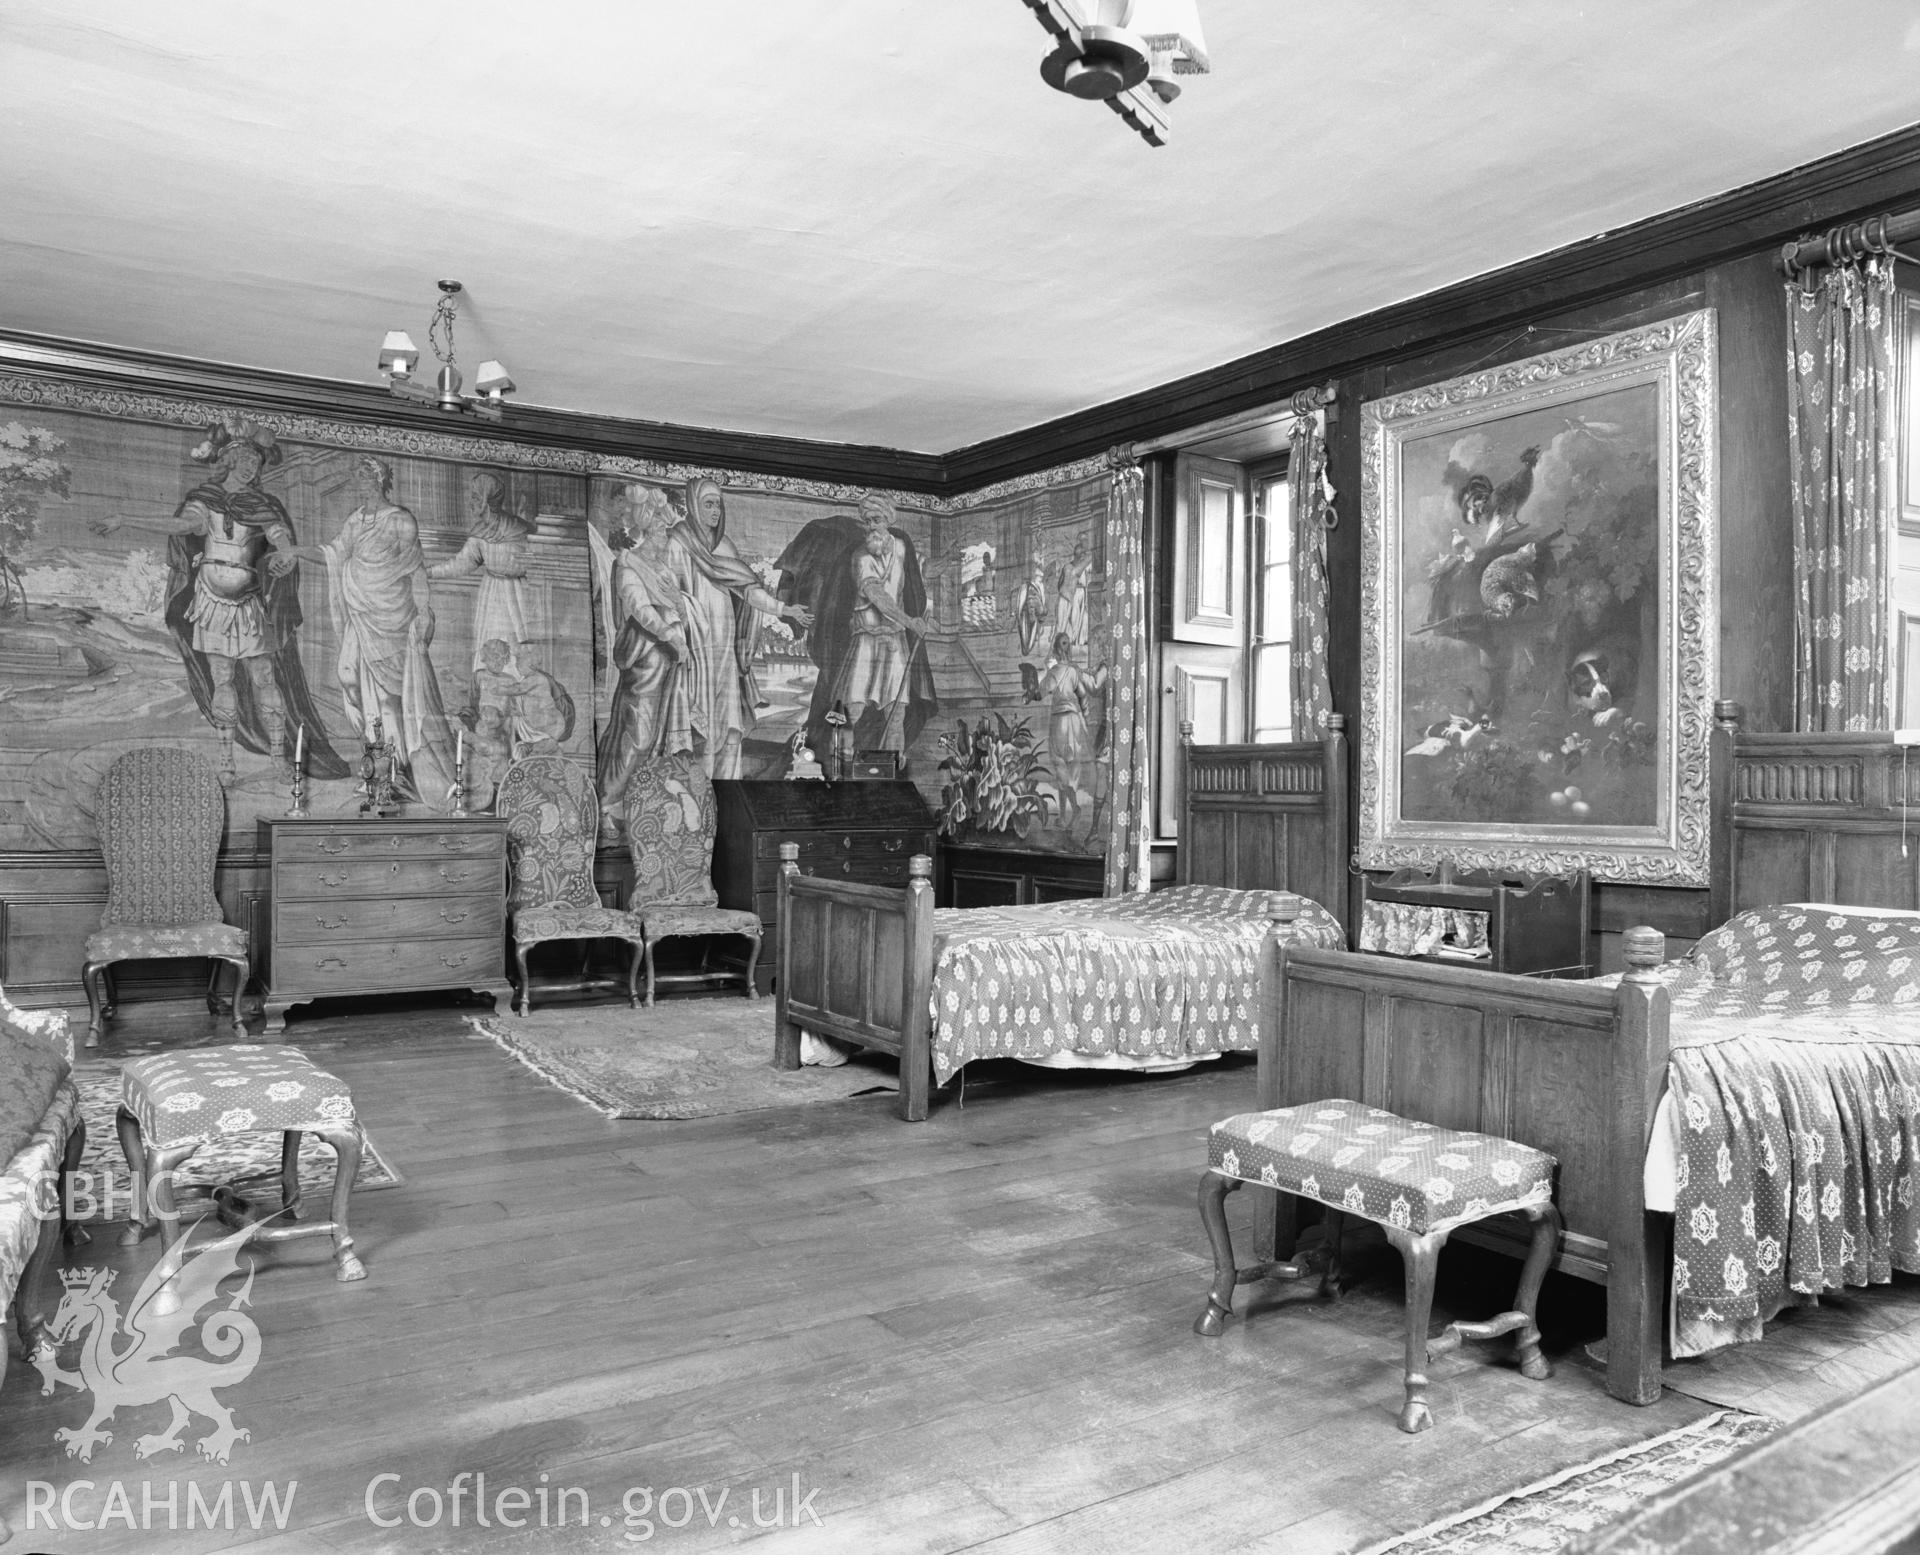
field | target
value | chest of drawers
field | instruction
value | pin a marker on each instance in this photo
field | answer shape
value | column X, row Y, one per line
column 862, row 831
column 379, row 906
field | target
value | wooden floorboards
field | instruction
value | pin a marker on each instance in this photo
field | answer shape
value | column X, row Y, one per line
column 972, row 1333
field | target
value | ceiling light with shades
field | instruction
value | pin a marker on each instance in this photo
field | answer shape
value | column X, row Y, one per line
column 1128, row 54
column 399, row 355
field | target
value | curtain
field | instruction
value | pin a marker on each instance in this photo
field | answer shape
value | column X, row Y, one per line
column 1128, row 694
column 1841, row 432
column 1311, row 500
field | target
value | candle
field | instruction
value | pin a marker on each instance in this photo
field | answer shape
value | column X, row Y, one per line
column 299, row 747
column 459, row 746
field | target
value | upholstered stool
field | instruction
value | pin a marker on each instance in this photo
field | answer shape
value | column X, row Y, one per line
column 173, row 1103
column 1417, row 1181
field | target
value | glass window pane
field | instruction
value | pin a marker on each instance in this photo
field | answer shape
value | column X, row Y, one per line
column 1276, row 602
column 1910, row 437
column 1272, row 701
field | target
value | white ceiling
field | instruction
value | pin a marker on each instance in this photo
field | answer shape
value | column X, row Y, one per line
column 858, row 220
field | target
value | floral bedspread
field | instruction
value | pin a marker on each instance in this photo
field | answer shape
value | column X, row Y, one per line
column 1795, row 1064
column 1169, row 975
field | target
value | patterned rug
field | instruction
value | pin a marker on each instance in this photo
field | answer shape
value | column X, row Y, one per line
column 1552, row 1514
column 684, row 1058
column 220, row 1160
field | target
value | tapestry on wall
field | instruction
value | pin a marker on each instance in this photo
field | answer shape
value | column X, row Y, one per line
column 264, row 590
column 268, row 588
column 768, row 627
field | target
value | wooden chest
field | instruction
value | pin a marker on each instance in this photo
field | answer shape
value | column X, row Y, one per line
column 861, row 831
column 379, row 906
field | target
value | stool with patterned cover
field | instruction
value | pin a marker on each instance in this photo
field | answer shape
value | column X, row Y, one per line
column 173, row 1103
column 1419, row 1182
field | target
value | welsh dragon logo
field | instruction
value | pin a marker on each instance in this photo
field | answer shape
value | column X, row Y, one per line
column 147, row 1369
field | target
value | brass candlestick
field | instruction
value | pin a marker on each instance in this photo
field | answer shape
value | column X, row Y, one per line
column 458, row 793
column 299, row 807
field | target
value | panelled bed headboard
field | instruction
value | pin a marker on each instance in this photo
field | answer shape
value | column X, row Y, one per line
column 1267, row 817
column 1812, row 818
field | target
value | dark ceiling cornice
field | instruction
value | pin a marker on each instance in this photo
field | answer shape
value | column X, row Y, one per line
column 1875, row 176
column 1879, row 175
column 123, row 369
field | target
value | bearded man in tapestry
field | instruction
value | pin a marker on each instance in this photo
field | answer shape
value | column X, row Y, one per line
column 234, row 617
column 860, row 577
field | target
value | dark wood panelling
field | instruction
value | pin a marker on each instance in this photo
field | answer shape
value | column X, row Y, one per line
column 1756, row 508
column 1009, row 877
column 1434, row 1058
column 51, row 902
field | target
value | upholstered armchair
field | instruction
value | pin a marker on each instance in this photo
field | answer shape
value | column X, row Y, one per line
column 160, row 814
column 553, row 822
column 670, row 820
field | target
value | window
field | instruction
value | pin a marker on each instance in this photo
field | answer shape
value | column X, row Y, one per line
column 1271, row 643
column 1906, row 537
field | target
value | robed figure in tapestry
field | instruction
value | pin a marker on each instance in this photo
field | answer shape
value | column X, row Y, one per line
column 235, row 618
column 860, row 578
column 378, row 597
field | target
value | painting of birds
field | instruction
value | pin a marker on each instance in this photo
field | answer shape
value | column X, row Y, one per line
column 1508, row 584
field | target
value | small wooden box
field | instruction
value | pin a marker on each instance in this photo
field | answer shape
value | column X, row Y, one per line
column 1537, row 925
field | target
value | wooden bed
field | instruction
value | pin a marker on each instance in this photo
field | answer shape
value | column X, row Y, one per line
column 1578, row 1070
column 856, row 962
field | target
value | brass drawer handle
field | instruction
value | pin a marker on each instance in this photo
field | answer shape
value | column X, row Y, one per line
column 893, row 844
column 450, row 844
column 449, row 916
column 453, row 878
column 328, row 923
column 333, row 880
column 327, row 961
column 332, row 846
column 457, row 961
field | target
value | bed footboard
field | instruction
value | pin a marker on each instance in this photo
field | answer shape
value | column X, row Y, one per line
column 1563, row 1066
column 856, row 962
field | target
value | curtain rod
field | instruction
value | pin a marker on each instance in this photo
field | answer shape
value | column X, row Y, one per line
column 1844, row 244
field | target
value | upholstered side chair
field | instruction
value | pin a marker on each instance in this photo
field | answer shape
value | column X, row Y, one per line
column 670, row 821
column 553, row 822
column 160, row 814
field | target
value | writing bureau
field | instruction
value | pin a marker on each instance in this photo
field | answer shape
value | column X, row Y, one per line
column 859, row 831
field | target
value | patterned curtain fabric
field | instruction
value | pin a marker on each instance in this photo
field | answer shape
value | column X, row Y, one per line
column 1840, row 426
column 1311, row 499
column 1128, row 694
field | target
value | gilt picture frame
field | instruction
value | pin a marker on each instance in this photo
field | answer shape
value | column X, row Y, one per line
column 1538, row 614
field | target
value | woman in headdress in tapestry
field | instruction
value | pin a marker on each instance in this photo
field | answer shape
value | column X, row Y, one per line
column 651, row 713
column 496, row 548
